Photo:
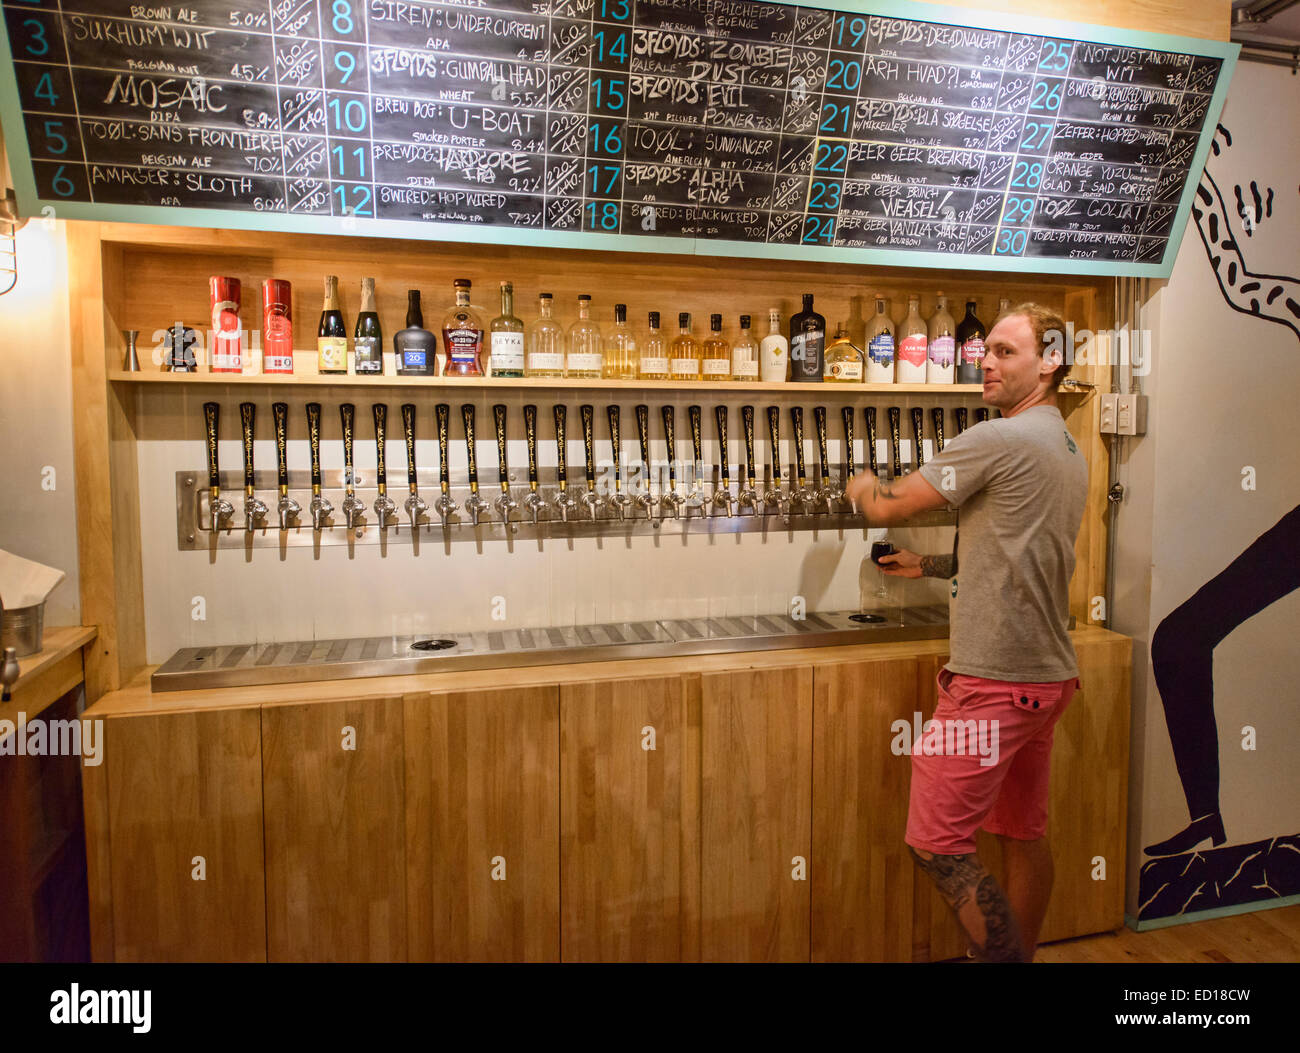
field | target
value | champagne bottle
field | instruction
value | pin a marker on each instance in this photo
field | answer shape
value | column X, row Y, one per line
column 912, row 345
column 942, row 351
column 368, row 342
column 506, row 346
column 970, row 347
column 332, row 335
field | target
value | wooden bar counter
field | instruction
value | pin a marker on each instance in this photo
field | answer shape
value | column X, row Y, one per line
column 739, row 807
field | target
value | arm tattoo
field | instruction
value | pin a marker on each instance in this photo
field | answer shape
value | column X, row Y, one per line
column 937, row 567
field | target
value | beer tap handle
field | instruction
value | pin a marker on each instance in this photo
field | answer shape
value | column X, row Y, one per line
column 320, row 507
column 896, row 441
column 796, row 423
column 211, row 419
column 467, row 419
column 408, row 428
column 981, row 414
column 870, row 439
column 247, row 418
column 380, row 411
column 819, row 421
column 850, row 468
column 670, row 444
column 530, row 438
column 960, row 413
column 503, row 472
column 697, row 443
column 347, row 416
column 560, row 414
column 280, row 414
column 614, row 446
column 723, row 494
column 774, row 437
column 747, row 422
column 918, row 433
column 936, row 417
column 588, row 415
column 645, row 499
column 443, row 413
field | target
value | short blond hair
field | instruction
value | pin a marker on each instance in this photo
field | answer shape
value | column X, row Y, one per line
column 1045, row 321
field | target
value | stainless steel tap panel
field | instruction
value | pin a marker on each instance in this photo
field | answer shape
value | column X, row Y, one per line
column 240, row 665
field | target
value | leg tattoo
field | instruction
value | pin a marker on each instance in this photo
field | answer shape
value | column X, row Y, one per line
column 961, row 878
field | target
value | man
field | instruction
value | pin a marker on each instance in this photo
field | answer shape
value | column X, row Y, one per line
column 1021, row 484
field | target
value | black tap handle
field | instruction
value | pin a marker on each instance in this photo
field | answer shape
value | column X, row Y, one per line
column 612, row 412
column 530, row 437
column 588, row 414
column 961, row 419
column 747, row 420
column 408, row 428
column 896, row 440
column 936, row 416
column 720, row 413
column 981, row 414
column 313, row 440
column 503, row 471
column 561, row 443
column 671, row 444
column 467, row 419
column 280, row 414
column 774, row 437
column 796, row 421
column 643, row 436
column 442, row 411
column 247, row 418
column 850, row 469
column 697, row 444
column 918, row 433
column 872, row 463
column 348, row 417
column 381, row 446
column 819, row 419
column 211, row 418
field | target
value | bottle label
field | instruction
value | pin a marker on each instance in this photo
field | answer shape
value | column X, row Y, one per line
column 547, row 361
column 942, row 349
column 277, row 363
column 846, row 369
column 686, row 367
column 584, row 362
column 881, row 349
column 507, row 351
column 367, row 357
column 912, row 350
column 806, row 350
column 972, row 351
column 277, row 354
column 332, row 354
column 226, row 331
column 413, row 359
column 463, row 345
column 716, row 367
column 652, row 364
column 743, row 364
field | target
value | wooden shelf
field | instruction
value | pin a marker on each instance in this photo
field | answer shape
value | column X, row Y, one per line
column 535, row 383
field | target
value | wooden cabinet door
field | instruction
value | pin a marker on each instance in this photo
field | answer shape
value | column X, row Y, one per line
column 756, row 814
column 335, row 852
column 629, row 821
column 482, row 825
column 862, row 876
column 184, row 795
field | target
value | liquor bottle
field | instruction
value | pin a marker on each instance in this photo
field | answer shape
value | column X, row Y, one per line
column 684, row 355
column 332, row 335
column 620, row 348
column 970, row 347
column 653, row 363
column 1004, row 309
column 506, row 342
column 545, row 342
column 368, row 342
column 807, row 343
column 744, row 354
column 277, row 326
column 774, row 351
column 227, row 332
column 880, row 345
column 912, row 345
column 844, row 359
column 943, row 347
column 462, row 335
column 585, row 357
column 415, row 348
column 716, row 354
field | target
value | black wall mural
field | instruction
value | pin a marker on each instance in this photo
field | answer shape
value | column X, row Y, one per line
column 1184, row 877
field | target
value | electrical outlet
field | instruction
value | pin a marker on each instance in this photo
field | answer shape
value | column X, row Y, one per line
column 1131, row 415
column 1109, row 414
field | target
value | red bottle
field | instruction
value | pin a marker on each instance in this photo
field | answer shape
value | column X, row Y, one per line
column 277, row 326
column 227, row 333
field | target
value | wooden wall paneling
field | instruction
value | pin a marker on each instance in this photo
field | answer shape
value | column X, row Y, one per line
column 181, row 785
column 335, row 851
column 95, row 803
column 622, row 820
column 862, row 871
column 1208, row 19
column 483, row 825
column 756, row 805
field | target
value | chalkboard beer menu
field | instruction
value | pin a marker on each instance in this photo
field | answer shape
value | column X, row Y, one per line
column 700, row 125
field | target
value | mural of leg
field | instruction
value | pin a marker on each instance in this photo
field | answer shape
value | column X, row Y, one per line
column 1182, row 658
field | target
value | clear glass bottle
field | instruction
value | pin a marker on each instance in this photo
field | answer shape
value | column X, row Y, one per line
column 684, row 356
column 506, row 338
column 585, row 359
column 1004, row 308
column 942, row 352
column 744, row 353
column 462, row 335
column 620, row 348
column 545, row 340
column 845, row 362
column 880, row 345
column 774, row 351
column 715, row 357
column 912, row 345
column 653, row 364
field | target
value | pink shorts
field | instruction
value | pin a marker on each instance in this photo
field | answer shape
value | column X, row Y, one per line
column 986, row 764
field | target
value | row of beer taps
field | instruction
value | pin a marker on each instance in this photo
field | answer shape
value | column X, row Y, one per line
column 670, row 501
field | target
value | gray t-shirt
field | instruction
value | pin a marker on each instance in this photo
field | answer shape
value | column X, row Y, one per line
column 1021, row 484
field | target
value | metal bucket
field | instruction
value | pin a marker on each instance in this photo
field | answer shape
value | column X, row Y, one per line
column 22, row 629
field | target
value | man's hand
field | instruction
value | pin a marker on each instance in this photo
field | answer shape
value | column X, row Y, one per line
column 902, row 564
column 859, row 486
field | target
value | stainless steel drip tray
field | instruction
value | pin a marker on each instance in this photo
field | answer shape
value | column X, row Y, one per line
column 243, row 665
